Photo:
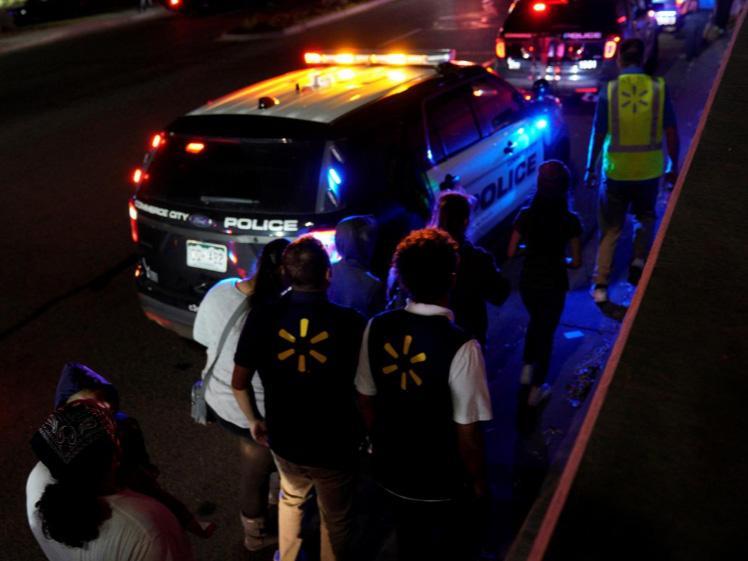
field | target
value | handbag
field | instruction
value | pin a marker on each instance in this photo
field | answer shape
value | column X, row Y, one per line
column 199, row 408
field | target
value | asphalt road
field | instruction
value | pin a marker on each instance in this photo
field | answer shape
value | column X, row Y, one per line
column 75, row 118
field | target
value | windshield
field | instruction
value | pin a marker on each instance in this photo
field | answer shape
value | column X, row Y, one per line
column 561, row 15
column 265, row 175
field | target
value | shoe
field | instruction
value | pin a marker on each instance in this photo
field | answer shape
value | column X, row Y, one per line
column 256, row 536
column 635, row 271
column 538, row 395
column 599, row 293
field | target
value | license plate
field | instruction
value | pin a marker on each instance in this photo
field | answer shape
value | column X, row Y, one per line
column 208, row 256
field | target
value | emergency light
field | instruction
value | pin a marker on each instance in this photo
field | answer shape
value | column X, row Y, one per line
column 361, row 58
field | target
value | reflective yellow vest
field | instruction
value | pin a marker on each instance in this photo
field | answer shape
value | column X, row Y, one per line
column 633, row 146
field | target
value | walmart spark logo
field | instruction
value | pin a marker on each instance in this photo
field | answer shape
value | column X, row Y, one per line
column 303, row 346
column 635, row 99
column 404, row 363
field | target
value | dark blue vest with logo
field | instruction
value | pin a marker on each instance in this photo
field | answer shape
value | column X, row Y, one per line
column 415, row 444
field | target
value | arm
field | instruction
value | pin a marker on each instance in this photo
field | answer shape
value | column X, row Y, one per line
column 244, row 395
column 471, row 447
column 511, row 251
column 575, row 248
column 366, row 389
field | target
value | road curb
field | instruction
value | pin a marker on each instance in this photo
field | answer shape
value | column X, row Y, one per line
column 67, row 29
column 306, row 25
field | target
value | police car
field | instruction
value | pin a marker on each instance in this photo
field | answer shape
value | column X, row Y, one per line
column 352, row 132
column 571, row 43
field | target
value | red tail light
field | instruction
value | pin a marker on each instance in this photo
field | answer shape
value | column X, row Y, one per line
column 157, row 140
column 175, row 3
column 137, row 176
column 611, row 47
column 194, row 147
column 539, row 7
column 500, row 48
column 133, row 212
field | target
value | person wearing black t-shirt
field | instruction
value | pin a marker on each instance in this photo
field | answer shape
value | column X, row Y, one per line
column 547, row 227
column 479, row 280
column 422, row 390
column 305, row 350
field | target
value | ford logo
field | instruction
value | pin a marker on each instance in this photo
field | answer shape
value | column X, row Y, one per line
column 200, row 221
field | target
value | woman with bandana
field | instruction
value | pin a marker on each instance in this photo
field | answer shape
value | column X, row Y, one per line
column 76, row 507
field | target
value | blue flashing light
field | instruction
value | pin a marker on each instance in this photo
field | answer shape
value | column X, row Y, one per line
column 334, row 176
column 541, row 124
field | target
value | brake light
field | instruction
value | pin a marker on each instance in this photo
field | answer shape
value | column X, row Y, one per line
column 157, row 140
column 539, row 7
column 133, row 212
column 137, row 176
column 194, row 147
column 611, row 46
column 500, row 48
column 621, row 19
column 174, row 3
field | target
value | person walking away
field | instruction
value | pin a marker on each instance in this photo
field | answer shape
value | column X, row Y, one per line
column 229, row 298
column 479, row 280
column 134, row 467
column 422, row 389
column 305, row 350
column 75, row 506
column 696, row 16
column 634, row 115
column 547, row 228
column 352, row 284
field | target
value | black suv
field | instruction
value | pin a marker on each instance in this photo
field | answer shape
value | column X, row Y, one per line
column 571, row 43
column 352, row 133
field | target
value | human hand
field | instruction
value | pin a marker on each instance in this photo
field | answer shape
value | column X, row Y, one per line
column 259, row 432
column 590, row 179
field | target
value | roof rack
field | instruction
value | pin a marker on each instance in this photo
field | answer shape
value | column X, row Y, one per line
column 363, row 58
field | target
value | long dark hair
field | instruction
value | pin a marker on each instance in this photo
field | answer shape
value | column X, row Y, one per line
column 268, row 280
column 551, row 200
column 78, row 446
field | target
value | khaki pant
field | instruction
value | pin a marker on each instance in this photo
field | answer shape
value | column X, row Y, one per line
column 616, row 199
column 334, row 490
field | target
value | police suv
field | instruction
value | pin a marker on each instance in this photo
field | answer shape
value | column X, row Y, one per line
column 375, row 133
column 572, row 43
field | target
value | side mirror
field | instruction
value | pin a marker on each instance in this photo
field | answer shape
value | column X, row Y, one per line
column 541, row 88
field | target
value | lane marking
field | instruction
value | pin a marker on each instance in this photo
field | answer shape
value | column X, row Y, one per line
column 401, row 37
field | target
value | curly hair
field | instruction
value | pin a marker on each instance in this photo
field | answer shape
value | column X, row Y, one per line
column 426, row 261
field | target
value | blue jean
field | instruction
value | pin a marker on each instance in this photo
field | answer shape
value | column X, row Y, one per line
column 617, row 199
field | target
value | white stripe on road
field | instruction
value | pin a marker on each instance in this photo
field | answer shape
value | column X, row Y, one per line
column 401, row 37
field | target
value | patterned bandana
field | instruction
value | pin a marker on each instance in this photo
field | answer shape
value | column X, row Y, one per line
column 73, row 427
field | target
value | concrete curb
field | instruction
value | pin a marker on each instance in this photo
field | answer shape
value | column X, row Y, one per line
column 66, row 29
column 306, row 25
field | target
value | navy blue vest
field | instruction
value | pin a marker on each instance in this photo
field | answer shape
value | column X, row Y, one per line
column 415, row 443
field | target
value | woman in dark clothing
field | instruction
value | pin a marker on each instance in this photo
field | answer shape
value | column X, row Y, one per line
column 547, row 227
column 479, row 280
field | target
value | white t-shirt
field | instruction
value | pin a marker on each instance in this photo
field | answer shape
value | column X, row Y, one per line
column 215, row 310
column 139, row 529
column 471, row 401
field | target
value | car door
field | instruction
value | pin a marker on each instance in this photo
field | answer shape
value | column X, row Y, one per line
column 481, row 133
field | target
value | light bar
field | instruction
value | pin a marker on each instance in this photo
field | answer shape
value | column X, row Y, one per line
column 431, row 58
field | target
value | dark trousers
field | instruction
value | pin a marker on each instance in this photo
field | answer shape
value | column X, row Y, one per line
column 545, row 305
column 436, row 531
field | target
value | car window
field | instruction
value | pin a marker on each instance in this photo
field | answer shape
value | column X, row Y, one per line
column 495, row 103
column 451, row 124
column 259, row 173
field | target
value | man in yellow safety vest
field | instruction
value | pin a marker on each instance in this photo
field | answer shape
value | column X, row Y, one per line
column 634, row 115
